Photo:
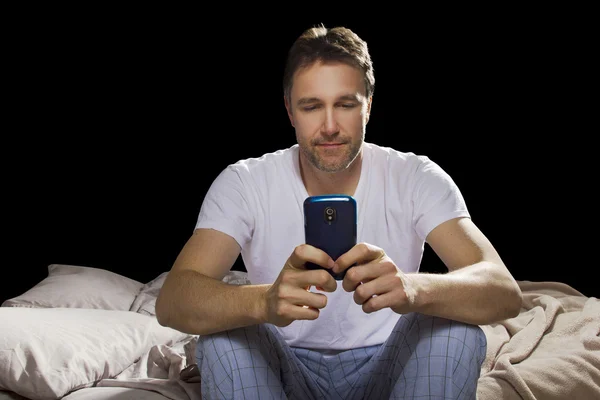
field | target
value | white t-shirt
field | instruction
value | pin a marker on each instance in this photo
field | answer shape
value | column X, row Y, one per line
column 400, row 197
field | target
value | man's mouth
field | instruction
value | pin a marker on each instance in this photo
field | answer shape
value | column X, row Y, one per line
column 330, row 145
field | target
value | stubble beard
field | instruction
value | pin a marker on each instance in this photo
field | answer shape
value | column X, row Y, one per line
column 350, row 154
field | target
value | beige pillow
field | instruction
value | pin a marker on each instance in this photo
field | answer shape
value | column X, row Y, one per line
column 72, row 286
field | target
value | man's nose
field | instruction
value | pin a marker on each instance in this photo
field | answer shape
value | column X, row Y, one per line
column 330, row 125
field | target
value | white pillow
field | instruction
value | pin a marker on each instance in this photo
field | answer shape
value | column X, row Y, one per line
column 74, row 286
column 145, row 301
column 47, row 352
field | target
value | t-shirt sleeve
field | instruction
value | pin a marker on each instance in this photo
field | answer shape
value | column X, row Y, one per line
column 225, row 207
column 436, row 198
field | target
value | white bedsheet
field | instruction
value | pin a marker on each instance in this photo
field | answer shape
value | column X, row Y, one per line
column 168, row 370
column 113, row 393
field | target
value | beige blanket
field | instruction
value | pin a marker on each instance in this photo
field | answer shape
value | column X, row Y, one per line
column 551, row 350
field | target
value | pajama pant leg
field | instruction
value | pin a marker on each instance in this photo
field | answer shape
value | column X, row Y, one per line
column 424, row 358
column 252, row 363
column 428, row 358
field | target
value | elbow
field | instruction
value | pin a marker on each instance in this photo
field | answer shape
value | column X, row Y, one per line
column 162, row 311
column 167, row 300
column 510, row 301
column 515, row 301
column 510, row 297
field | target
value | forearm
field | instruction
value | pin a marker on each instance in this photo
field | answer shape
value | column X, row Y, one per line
column 479, row 294
column 193, row 303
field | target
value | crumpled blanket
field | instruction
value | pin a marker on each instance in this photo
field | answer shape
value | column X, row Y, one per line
column 551, row 350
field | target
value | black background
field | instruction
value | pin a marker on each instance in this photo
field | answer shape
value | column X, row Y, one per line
column 116, row 123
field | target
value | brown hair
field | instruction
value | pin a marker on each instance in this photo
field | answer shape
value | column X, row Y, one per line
column 337, row 44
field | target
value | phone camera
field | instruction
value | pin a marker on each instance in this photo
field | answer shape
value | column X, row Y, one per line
column 329, row 214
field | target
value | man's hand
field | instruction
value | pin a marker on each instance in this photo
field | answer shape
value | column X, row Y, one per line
column 376, row 281
column 289, row 298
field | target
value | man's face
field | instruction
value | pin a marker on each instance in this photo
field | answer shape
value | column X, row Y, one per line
column 329, row 109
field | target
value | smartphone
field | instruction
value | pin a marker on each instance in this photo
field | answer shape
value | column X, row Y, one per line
column 330, row 224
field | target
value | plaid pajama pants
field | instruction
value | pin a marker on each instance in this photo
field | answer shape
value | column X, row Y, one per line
column 424, row 358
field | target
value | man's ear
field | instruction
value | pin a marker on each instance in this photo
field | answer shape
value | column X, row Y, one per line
column 369, row 108
column 288, row 108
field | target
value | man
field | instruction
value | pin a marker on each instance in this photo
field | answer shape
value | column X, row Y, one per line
column 386, row 330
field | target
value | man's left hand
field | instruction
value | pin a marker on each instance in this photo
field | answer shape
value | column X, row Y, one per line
column 375, row 280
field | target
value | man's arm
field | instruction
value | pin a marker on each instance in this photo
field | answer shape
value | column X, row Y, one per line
column 478, row 287
column 193, row 299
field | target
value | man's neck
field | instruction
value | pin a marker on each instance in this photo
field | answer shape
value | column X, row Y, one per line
column 318, row 182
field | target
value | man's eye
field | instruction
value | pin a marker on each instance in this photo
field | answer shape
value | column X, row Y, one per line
column 316, row 106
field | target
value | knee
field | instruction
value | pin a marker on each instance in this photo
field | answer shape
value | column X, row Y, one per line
column 454, row 334
column 465, row 339
column 427, row 324
column 206, row 339
column 216, row 345
column 471, row 334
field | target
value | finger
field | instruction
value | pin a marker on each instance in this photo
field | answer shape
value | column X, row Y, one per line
column 316, row 277
column 365, row 291
column 361, row 253
column 363, row 274
column 378, row 302
column 319, row 288
column 297, row 312
column 304, row 313
column 307, row 299
column 306, row 253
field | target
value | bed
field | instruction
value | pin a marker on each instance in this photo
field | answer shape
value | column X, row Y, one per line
column 88, row 333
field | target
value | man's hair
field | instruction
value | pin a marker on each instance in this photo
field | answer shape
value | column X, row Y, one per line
column 320, row 44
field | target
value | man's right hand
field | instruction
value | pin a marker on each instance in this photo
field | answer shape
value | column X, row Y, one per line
column 289, row 299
